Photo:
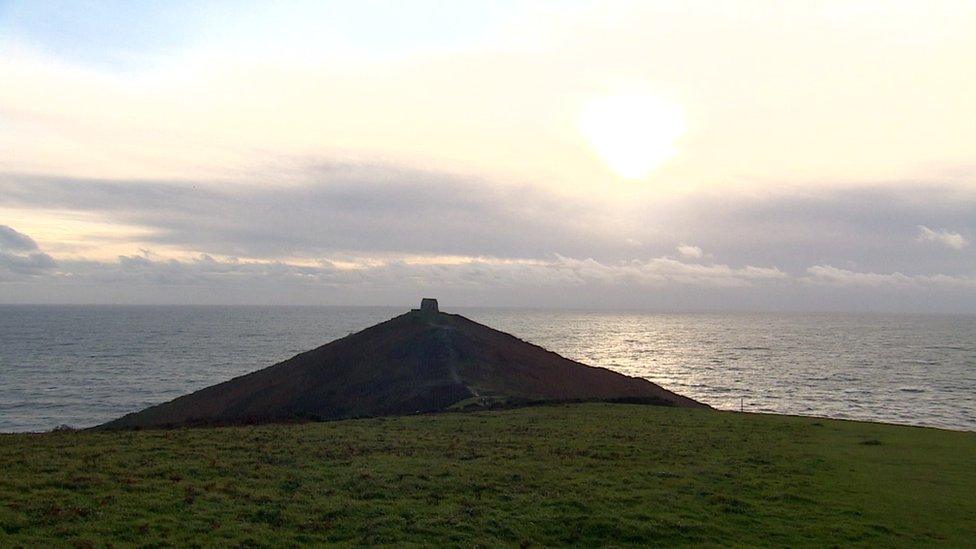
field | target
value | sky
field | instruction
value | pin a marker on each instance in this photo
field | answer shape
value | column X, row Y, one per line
column 738, row 155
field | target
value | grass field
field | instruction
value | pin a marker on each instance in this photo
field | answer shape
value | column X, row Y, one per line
column 568, row 474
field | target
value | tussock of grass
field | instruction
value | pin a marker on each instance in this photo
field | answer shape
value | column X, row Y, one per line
column 571, row 474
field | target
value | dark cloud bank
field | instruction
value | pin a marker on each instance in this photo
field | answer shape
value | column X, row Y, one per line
column 19, row 254
column 855, row 249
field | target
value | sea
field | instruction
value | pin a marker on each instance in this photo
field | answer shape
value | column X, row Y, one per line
column 82, row 365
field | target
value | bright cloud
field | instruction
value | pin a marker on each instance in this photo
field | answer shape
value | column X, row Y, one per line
column 829, row 275
column 949, row 239
column 26, row 270
column 690, row 251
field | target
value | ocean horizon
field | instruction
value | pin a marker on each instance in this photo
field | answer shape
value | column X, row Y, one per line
column 81, row 365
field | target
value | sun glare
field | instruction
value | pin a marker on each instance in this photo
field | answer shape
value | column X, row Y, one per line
column 633, row 134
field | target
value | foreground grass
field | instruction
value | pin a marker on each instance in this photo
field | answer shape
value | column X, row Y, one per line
column 571, row 474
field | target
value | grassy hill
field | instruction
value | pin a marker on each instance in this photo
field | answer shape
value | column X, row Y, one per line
column 562, row 474
column 415, row 362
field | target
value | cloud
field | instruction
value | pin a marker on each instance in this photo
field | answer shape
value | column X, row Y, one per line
column 465, row 272
column 652, row 282
column 659, row 271
column 333, row 208
column 10, row 239
column 690, row 251
column 833, row 276
column 337, row 208
column 181, row 113
column 19, row 254
column 952, row 240
column 379, row 231
column 794, row 227
column 30, row 264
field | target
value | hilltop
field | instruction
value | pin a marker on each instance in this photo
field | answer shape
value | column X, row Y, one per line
column 419, row 362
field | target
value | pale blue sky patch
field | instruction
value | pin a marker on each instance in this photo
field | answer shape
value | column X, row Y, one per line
column 117, row 35
column 114, row 35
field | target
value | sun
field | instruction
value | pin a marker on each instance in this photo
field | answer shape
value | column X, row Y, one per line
column 633, row 134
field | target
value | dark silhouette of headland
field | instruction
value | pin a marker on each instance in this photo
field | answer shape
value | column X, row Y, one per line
column 421, row 361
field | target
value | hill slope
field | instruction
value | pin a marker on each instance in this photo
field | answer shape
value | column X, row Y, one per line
column 421, row 361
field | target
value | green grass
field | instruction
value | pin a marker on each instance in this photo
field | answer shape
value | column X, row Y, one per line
column 551, row 475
